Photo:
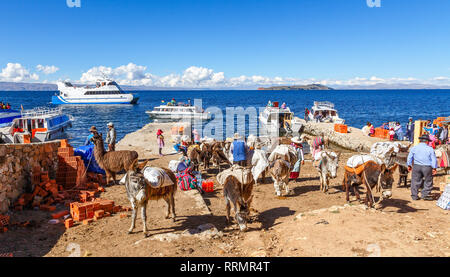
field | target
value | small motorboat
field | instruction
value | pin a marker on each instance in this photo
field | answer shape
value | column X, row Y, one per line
column 37, row 125
column 278, row 121
column 325, row 112
column 178, row 112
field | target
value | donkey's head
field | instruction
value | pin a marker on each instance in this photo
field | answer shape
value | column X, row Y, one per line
column 386, row 180
column 330, row 162
column 135, row 185
column 243, row 214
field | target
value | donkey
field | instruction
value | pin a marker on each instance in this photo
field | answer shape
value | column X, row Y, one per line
column 279, row 170
column 372, row 176
column 241, row 197
column 198, row 157
column 218, row 156
column 139, row 192
column 327, row 168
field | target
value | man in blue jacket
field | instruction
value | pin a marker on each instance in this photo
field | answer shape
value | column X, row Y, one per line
column 239, row 150
column 422, row 162
column 88, row 140
column 410, row 130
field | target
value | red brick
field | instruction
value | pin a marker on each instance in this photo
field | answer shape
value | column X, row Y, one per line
column 60, row 214
column 68, row 223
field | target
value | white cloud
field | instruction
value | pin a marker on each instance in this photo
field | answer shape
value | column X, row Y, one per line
column 15, row 72
column 47, row 69
column 202, row 77
column 130, row 74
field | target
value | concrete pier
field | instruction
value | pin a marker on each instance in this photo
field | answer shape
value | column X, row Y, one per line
column 354, row 140
column 144, row 140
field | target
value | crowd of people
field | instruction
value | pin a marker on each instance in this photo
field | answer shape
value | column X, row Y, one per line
column 438, row 134
column 4, row 106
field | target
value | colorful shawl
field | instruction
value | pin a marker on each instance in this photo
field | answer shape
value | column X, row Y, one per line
column 186, row 180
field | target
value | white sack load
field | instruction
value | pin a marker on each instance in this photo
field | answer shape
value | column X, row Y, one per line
column 252, row 140
column 173, row 165
column 208, row 140
column 357, row 160
column 244, row 175
column 259, row 163
column 284, row 151
column 384, row 150
column 157, row 177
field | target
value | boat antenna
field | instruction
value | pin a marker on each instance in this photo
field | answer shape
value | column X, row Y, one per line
column 105, row 76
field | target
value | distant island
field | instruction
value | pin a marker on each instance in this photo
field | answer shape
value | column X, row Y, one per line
column 16, row 86
column 307, row 87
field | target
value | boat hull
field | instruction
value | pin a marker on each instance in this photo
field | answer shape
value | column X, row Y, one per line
column 178, row 117
column 59, row 100
column 7, row 117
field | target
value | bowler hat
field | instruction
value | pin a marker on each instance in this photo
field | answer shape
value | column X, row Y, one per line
column 424, row 137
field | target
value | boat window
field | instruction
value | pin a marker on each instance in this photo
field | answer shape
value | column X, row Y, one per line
column 333, row 113
column 41, row 123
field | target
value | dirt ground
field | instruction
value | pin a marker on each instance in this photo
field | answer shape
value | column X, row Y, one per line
column 308, row 223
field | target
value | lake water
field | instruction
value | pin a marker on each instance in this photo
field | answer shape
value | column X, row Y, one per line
column 355, row 106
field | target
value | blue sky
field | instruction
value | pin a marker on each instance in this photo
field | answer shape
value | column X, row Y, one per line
column 260, row 40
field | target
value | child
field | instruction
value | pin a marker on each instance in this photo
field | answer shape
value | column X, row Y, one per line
column 160, row 140
column 391, row 134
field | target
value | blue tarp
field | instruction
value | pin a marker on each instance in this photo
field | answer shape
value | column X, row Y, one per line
column 86, row 153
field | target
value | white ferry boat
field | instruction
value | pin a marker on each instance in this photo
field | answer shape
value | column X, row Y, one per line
column 37, row 125
column 278, row 121
column 178, row 112
column 104, row 92
column 325, row 112
column 7, row 117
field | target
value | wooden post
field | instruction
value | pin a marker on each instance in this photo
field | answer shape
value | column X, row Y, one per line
column 418, row 130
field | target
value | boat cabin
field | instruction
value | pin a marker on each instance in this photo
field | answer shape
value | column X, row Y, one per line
column 37, row 125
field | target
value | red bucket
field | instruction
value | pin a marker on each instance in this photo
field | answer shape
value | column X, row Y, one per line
column 208, row 185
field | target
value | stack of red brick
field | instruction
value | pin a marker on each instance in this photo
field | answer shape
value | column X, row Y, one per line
column 71, row 170
column 48, row 192
column 96, row 178
column 92, row 210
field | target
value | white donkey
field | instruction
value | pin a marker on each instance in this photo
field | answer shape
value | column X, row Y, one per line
column 327, row 168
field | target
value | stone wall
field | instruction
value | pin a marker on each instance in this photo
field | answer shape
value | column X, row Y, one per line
column 354, row 140
column 16, row 164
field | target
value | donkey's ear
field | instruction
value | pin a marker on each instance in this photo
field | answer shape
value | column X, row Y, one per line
column 383, row 168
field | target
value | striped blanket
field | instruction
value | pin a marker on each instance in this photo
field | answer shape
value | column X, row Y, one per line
column 186, row 180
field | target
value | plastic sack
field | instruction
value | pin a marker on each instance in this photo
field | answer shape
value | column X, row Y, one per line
column 157, row 177
column 444, row 201
column 358, row 160
column 87, row 154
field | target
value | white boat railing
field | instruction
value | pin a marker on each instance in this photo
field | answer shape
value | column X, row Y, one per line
column 37, row 112
column 324, row 104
